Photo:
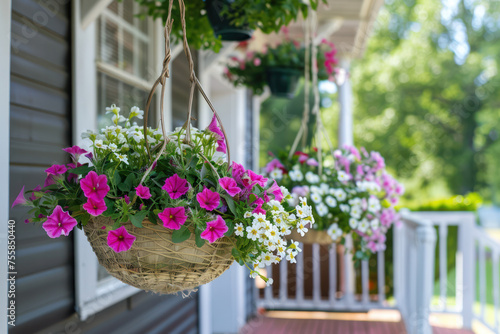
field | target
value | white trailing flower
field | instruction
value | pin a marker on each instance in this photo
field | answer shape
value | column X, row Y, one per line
column 276, row 174
column 136, row 112
column 334, row 231
column 316, row 198
column 353, row 223
column 239, row 230
column 343, row 176
column 296, row 175
column 330, row 201
column 363, row 225
column 356, row 211
column 322, row 209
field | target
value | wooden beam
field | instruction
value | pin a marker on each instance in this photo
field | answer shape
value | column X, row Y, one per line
column 90, row 10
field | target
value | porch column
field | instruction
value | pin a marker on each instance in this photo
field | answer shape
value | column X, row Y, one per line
column 345, row 102
column 5, row 15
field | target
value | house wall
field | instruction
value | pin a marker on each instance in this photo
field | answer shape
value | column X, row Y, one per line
column 40, row 113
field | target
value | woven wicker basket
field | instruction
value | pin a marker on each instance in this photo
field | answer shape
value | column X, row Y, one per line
column 311, row 237
column 155, row 263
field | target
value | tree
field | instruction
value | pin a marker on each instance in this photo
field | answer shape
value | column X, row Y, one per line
column 427, row 94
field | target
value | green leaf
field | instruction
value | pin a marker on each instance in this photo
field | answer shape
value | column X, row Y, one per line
column 230, row 204
column 116, row 178
column 110, row 207
column 82, row 170
column 235, row 253
column 181, row 234
column 199, row 240
column 138, row 218
column 152, row 218
column 230, row 228
column 252, row 198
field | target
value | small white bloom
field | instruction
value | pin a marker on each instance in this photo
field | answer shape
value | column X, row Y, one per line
column 334, row 232
column 344, row 207
column 113, row 109
column 356, row 211
column 294, row 246
column 324, row 188
column 311, row 177
column 122, row 157
column 247, row 214
column 239, row 229
column 330, row 201
column 340, row 194
column 375, row 224
column 374, row 205
column 353, row 223
column 99, row 144
column 363, row 225
column 252, row 232
column 322, row 209
column 291, row 257
column 301, row 228
column 112, row 147
column 284, row 191
column 355, row 201
column 316, row 198
column 272, row 233
column 269, row 281
column 343, row 176
column 296, row 175
column 136, row 112
column 276, row 174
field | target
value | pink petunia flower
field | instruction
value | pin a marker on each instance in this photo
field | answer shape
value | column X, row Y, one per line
column 75, row 151
column 59, row 222
column 237, row 171
column 173, row 218
column 302, row 156
column 95, row 208
column 127, row 199
column 256, row 179
column 120, row 240
column 143, row 192
column 312, row 162
column 215, row 229
column 20, row 199
column 220, row 135
column 95, row 186
column 229, row 185
column 273, row 164
column 257, row 62
column 56, row 170
column 89, row 156
column 276, row 191
column 141, row 206
column 175, row 186
column 208, row 199
column 259, row 209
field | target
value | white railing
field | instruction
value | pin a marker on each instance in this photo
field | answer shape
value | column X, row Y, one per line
column 422, row 239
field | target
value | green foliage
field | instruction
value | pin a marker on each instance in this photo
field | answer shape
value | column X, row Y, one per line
column 469, row 202
column 427, row 95
column 260, row 14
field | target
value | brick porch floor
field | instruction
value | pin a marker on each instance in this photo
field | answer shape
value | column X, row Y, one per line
column 332, row 323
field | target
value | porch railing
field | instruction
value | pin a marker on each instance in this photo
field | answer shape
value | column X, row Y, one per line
column 325, row 278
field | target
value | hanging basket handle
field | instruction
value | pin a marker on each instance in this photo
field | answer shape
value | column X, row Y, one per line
column 195, row 83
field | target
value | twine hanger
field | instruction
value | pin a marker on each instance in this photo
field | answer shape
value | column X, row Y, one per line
column 195, row 83
column 310, row 28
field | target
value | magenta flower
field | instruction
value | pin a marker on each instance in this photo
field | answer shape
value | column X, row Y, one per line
column 219, row 134
column 49, row 180
column 126, row 199
column 89, row 156
column 208, row 199
column 215, row 229
column 274, row 164
column 56, row 170
column 276, row 191
column 302, row 156
column 229, row 185
column 143, row 192
column 59, row 222
column 120, row 240
column 259, row 209
column 256, row 179
column 75, row 151
column 95, row 186
column 312, row 162
column 175, row 186
column 20, row 199
column 173, row 218
column 238, row 171
column 95, row 208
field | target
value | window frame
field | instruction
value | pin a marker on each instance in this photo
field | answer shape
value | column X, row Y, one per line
column 91, row 295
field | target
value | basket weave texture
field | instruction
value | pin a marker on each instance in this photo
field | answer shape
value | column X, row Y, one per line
column 155, row 263
column 311, row 237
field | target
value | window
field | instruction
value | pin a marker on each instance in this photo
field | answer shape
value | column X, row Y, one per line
column 115, row 61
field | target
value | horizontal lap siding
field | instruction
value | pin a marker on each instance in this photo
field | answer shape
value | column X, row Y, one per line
column 40, row 127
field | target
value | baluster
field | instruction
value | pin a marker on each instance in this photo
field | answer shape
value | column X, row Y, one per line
column 300, row 274
column 365, row 271
column 316, row 273
column 284, row 280
column 349, row 272
column 482, row 278
column 494, row 267
column 443, row 270
column 381, row 276
column 268, row 290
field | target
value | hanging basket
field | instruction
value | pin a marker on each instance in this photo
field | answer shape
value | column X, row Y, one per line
column 311, row 237
column 155, row 263
column 222, row 26
column 283, row 81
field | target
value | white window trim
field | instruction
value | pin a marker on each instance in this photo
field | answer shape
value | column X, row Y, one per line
column 93, row 296
column 5, row 35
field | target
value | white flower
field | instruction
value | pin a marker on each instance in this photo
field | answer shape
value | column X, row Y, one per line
column 344, row 207
column 363, row 225
column 324, row 188
column 374, row 205
column 301, row 212
column 259, row 218
column 315, row 190
column 247, row 214
column 284, row 230
column 301, row 228
column 252, row 232
column 312, row 178
column 375, row 224
column 275, row 206
column 112, row 147
column 353, row 223
column 355, row 201
column 294, row 246
column 334, row 232
column 322, row 209
column 330, row 201
column 113, row 109
column 272, row 233
column 296, row 175
column 87, row 134
column 291, row 257
column 356, row 211
column 239, row 229
column 271, row 246
column 136, row 112
column 316, row 198
column 343, row 176
column 340, row 194
column 269, row 281
column 118, row 118
column 122, row 157
column 284, row 191
column 99, row 144
column 121, row 138
column 269, row 259
column 276, row 174
column 303, row 201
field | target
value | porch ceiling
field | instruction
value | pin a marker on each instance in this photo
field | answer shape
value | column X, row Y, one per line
column 347, row 23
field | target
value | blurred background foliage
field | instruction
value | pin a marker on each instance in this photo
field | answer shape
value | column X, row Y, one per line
column 427, row 97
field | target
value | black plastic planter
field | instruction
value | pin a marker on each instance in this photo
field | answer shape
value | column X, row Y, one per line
column 222, row 26
column 283, row 81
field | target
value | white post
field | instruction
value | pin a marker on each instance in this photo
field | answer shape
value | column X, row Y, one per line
column 466, row 238
column 426, row 245
column 6, row 11
column 345, row 102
